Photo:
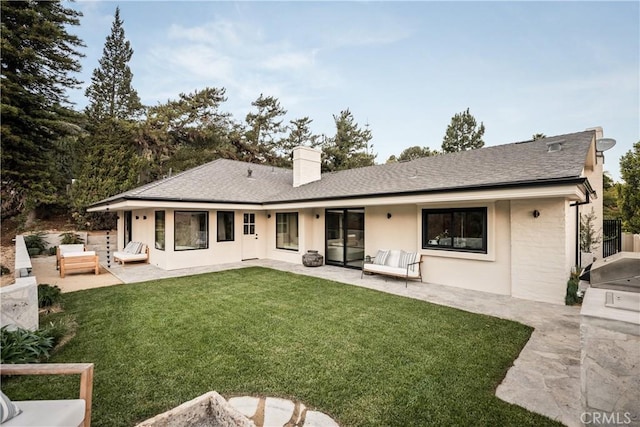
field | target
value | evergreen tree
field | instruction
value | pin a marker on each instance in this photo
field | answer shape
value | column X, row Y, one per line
column 413, row 153
column 537, row 136
column 38, row 57
column 349, row 148
column 109, row 161
column 463, row 133
column 299, row 135
column 111, row 94
column 630, row 191
column 265, row 128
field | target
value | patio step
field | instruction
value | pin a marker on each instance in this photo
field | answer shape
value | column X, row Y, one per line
column 104, row 244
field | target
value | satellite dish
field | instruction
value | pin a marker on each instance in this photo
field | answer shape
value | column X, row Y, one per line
column 603, row 144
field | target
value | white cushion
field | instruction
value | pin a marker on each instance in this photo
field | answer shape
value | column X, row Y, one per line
column 408, row 258
column 8, row 409
column 48, row 413
column 74, row 254
column 64, row 249
column 129, row 257
column 381, row 257
column 393, row 260
column 385, row 269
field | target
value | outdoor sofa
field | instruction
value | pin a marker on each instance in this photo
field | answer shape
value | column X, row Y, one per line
column 395, row 263
column 75, row 257
column 134, row 251
column 50, row 413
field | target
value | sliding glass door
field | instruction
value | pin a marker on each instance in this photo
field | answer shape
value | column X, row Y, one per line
column 345, row 237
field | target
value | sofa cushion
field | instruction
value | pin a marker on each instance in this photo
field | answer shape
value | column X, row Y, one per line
column 395, row 271
column 8, row 409
column 65, row 249
column 407, row 258
column 133, row 248
column 393, row 260
column 49, row 413
column 76, row 254
column 381, row 257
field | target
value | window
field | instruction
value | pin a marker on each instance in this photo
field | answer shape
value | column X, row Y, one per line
column 462, row 229
column 191, row 231
column 287, row 231
column 249, row 226
column 160, row 230
column 225, row 226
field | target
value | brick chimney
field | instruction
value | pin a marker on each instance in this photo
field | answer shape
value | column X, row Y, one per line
column 306, row 165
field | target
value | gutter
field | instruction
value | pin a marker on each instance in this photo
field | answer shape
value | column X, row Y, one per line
column 589, row 192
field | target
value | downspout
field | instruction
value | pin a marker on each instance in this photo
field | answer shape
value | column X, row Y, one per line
column 589, row 191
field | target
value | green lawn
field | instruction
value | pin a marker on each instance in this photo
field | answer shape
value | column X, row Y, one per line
column 363, row 357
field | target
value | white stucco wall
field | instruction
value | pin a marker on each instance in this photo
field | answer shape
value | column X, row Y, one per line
column 398, row 232
column 539, row 249
column 482, row 272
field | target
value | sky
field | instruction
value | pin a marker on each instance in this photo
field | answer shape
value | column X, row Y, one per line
column 403, row 69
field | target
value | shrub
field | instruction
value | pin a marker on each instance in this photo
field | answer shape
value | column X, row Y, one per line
column 70, row 238
column 4, row 270
column 24, row 346
column 572, row 297
column 35, row 243
column 53, row 250
column 60, row 329
column 48, row 295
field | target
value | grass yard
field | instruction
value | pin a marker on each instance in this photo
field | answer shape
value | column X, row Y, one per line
column 363, row 357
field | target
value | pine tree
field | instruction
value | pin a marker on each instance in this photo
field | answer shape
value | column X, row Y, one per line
column 463, row 133
column 111, row 94
column 349, row 148
column 38, row 55
column 265, row 127
column 109, row 161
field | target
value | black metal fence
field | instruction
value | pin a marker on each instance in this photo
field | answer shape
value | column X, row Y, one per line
column 612, row 237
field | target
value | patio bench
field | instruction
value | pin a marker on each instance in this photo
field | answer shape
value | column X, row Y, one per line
column 395, row 263
column 134, row 251
column 74, row 261
column 53, row 413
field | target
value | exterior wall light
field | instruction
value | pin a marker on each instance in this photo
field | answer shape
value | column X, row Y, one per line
column 389, row 215
column 536, row 213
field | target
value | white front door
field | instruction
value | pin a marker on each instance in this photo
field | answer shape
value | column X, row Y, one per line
column 249, row 236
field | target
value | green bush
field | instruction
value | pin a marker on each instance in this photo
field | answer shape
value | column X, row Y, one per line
column 70, row 238
column 35, row 243
column 24, row 346
column 48, row 295
column 572, row 297
column 59, row 328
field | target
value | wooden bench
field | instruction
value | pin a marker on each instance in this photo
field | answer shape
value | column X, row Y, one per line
column 53, row 413
column 390, row 263
column 74, row 261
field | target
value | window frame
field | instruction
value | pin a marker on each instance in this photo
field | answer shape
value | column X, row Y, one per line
column 162, row 231
column 176, row 214
column 288, row 226
column 232, row 215
column 452, row 212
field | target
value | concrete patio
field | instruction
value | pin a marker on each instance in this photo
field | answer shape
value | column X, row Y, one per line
column 544, row 379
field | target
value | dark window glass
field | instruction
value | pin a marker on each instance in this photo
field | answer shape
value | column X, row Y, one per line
column 225, row 226
column 287, row 230
column 463, row 229
column 160, row 230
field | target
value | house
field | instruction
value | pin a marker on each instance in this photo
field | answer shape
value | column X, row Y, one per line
column 501, row 219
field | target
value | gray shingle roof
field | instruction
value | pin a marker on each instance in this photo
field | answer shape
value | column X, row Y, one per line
column 525, row 162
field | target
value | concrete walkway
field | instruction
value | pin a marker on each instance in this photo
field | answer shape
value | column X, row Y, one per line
column 544, row 379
